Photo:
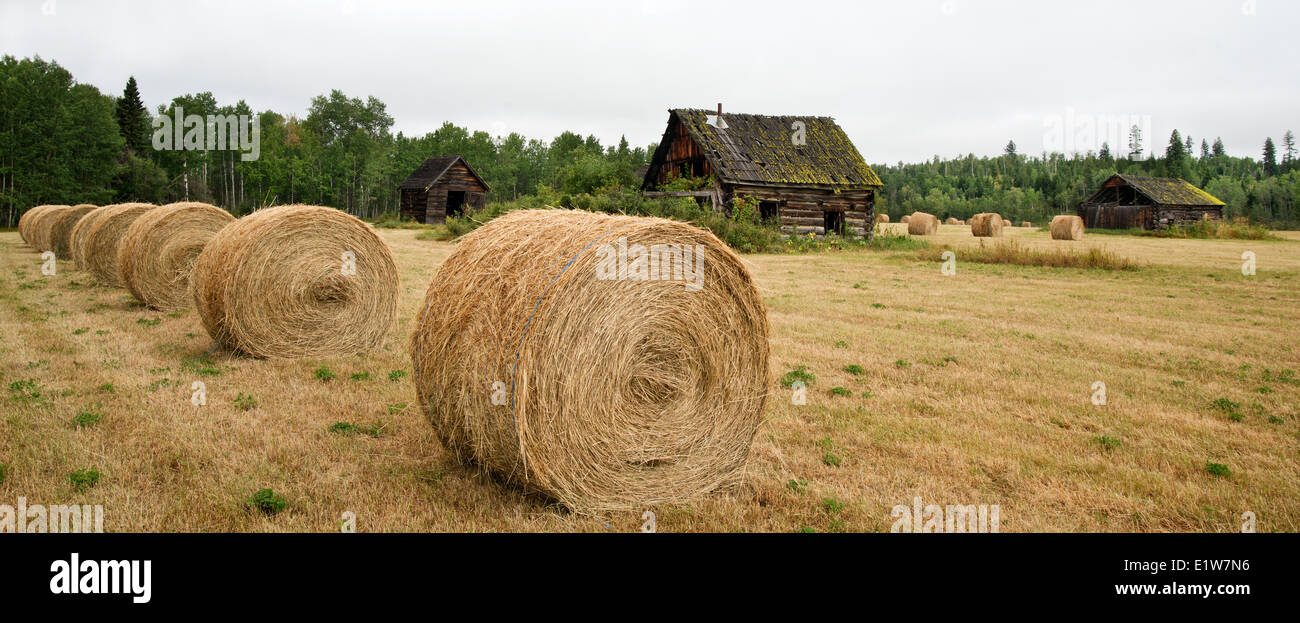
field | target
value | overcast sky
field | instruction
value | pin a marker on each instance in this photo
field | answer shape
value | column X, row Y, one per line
column 907, row 79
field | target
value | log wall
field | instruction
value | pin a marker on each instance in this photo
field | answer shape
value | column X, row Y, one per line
column 803, row 210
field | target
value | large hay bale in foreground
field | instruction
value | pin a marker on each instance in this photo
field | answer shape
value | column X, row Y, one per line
column 158, row 251
column 30, row 216
column 296, row 281
column 61, row 231
column 99, row 252
column 1067, row 227
column 922, row 224
column 986, row 225
column 614, row 392
column 882, row 218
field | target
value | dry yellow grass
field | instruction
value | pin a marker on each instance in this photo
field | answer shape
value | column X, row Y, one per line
column 1168, row 340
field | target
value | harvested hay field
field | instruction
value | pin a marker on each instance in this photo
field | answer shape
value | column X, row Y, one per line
column 296, row 281
column 157, row 253
column 623, row 392
column 1200, row 362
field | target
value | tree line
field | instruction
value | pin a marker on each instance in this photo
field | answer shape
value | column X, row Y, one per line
column 65, row 142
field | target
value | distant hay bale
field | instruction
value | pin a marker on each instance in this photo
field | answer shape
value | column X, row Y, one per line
column 952, row 221
column 986, row 225
column 61, row 231
column 30, row 216
column 905, row 218
column 158, row 252
column 615, row 391
column 922, row 224
column 296, row 281
column 99, row 251
column 1026, row 224
column 1067, row 227
column 41, row 228
column 882, row 218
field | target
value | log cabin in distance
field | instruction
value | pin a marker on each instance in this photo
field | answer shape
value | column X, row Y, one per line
column 1131, row 201
column 802, row 171
column 442, row 186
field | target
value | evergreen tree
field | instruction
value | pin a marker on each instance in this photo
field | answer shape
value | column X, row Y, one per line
column 1270, row 157
column 1176, row 152
column 1104, row 154
column 1288, row 148
column 1010, row 149
column 1218, row 149
column 133, row 119
column 1205, row 149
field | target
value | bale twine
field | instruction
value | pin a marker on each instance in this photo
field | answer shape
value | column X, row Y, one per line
column 158, row 251
column 922, row 224
column 616, row 392
column 296, row 281
column 61, row 232
column 99, row 251
column 986, row 225
column 1067, row 227
column 905, row 218
column 42, row 227
column 882, row 218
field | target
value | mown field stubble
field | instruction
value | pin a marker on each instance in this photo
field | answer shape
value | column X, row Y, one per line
column 973, row 388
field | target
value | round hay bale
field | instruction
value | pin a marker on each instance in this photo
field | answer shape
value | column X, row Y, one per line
column 986, row 225
column 905, row 218
column 77, row 239
column 922, row 224
column 1067, row 227
column 296, row 281
column 882, row 218
column 158, row 251
column 103, row 238
column 951, row 221
column 614, row 392
column 61, row 231
column 1026, row 224
column 30, row 216
column 42, row 227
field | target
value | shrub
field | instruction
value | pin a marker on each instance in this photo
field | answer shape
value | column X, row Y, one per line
column 84, row 478
column 266, row 501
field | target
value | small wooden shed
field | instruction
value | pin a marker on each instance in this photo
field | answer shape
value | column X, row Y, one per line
column 440, row 187
column 1131, row 201
column 804, row 172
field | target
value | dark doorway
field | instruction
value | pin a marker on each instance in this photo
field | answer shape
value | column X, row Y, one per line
column 455, row 203
column 767, row 210
column 834, row 220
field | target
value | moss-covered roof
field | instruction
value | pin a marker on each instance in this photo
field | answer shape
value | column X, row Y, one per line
column 760, row 149
column 1170, row 191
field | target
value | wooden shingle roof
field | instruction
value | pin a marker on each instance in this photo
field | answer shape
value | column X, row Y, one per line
column 1170, row 191
column 758, row 149
column 428, row 173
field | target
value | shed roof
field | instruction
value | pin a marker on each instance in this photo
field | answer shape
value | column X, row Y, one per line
column 759, row 149
column 1169, row 191
column 428, row 173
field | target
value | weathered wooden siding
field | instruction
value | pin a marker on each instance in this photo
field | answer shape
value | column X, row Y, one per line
column 682, row 153
column 803, row 210
column 457, row 178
